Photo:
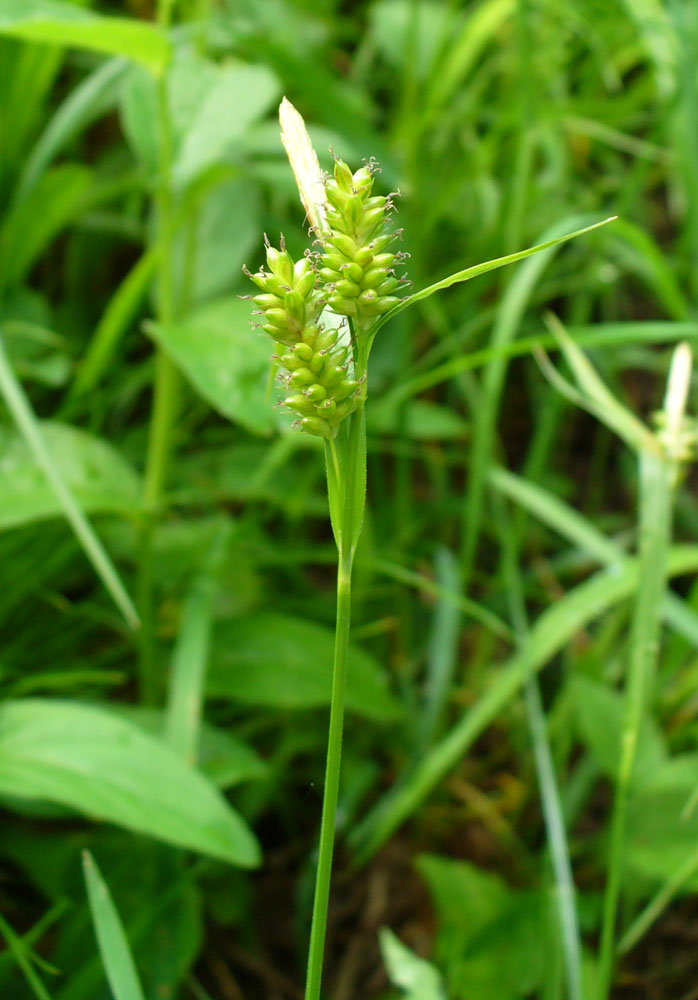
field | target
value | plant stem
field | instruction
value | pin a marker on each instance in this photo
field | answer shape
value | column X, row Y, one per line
column 565, row 893
column 348, row 462
column 165, row 392
column 332, row 769
column 655, row 531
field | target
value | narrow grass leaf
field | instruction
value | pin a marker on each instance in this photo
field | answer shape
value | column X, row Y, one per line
column 33, row 222
column 29, row 427
column 114, row 323
column 578, row 530
column 114, row 948
column 20, row 952
column 191, row 653
column 94, row 96
column 99, row 478
column 477, row 269
column 547, row 636
column 56, row 22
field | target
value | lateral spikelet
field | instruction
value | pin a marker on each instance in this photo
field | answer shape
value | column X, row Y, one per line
column 314, row 364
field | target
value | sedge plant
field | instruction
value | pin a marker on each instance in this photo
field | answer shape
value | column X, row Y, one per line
column 662, row 453
column 323, row 312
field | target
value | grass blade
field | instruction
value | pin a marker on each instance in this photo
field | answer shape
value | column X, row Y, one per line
column 489, row 265
column 114, row 948
column 27, row 424
column 547, row 636
column 190, row 658
column 19, row 950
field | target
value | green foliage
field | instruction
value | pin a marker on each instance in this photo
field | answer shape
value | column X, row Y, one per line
column 84, row 758
column 285, row 662
column 141, row 164
column 481, row 916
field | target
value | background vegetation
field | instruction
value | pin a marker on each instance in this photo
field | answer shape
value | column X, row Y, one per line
column 140, row 164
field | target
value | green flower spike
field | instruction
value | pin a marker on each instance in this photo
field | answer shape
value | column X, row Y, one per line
column 314, row 363
column 355, row 262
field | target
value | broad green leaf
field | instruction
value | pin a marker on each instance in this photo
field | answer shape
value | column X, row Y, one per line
column 415, row 976
column 36, row 353
column 55, row 22
column 663, row 820
column 223, row 758
column 111, row 937
column 211, row 108
column 105, row 767
column 600, row 712
column 492, row 938
column 100, row 479
column 188, row 80
column 225, row 361
column 220, row 236
column 239, row 95
column 286, row 662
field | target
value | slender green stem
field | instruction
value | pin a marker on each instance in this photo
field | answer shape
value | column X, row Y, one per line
column 348, row 463
column 165, row 394
column 332, row 769
column 655, row 531
column 566, row 897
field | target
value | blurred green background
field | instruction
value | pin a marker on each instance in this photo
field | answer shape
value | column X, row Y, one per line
column 188, row 755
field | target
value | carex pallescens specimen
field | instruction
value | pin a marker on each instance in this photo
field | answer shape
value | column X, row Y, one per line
column 321, row 363
column 323, row 313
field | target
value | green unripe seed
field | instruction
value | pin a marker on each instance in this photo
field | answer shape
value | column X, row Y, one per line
column 303, row 352
column 388, row 286
column 344, row 307
column 353, row 271
column 302, row 376
column 374, row 276
column 348, row 289
column 316, row 393
column 362, row 180
column 318, row 362
column 294, row 303
column 267, row 301
column 329, row 275
column 317, row 426
column 335, row 261
column 345, row 244
column 343, row 176
column 280, row 263
column 277, row 317
column 325, row 340
column 305, row 284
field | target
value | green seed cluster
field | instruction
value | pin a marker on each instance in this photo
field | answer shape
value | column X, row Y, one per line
column 314, row 364
column 353, row 275
column 355, row 262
